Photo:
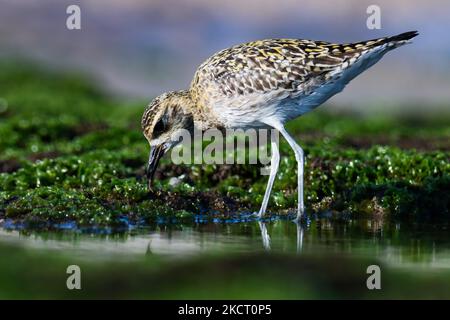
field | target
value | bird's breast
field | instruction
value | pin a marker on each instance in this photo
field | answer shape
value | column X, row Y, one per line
column 254, row 111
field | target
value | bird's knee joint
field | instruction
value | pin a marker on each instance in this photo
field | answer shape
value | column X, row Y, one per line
column 299, row 155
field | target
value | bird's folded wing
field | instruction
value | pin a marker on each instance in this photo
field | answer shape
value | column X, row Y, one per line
column 277, row 64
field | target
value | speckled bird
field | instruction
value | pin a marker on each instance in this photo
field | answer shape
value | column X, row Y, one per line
column 261, row 84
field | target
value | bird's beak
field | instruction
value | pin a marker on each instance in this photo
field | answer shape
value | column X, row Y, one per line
column 156, row 153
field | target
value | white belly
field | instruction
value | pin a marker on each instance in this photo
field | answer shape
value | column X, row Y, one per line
column 253, row 111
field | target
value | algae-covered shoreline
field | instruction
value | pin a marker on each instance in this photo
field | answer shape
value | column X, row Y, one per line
column 70, row 153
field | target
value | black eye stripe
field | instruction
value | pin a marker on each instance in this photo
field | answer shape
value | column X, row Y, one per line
column 159, row 127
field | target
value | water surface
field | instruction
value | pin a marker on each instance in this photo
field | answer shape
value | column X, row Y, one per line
column 405, row 245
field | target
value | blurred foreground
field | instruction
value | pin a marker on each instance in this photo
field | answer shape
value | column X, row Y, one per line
column 228, row 262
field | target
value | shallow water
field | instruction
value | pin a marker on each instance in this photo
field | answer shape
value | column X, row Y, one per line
column 398, row 244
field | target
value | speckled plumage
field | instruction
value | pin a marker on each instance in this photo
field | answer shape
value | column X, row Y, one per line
column 266, row 65
column 261, row 84
column 278, row 71
column 273, row 73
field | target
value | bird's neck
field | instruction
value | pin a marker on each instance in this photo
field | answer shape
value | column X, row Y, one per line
column 203, row 118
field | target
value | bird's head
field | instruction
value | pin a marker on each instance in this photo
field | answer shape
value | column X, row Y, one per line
column 163, row 121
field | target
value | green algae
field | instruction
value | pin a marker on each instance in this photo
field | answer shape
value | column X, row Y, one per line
column 70, row 153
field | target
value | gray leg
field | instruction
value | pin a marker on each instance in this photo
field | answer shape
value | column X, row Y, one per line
column 274, row 163
column 299, row 156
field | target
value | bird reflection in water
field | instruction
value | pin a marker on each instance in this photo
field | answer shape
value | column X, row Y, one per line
column 266, row 237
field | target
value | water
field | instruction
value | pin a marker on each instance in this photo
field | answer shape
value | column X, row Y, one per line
column 405, row 245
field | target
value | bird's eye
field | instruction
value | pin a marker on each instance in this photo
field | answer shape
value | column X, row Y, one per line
column 159, row 128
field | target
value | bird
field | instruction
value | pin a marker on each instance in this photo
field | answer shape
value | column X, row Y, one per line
column 261, row 84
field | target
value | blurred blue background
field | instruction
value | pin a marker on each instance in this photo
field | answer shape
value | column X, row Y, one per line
column 138, row 49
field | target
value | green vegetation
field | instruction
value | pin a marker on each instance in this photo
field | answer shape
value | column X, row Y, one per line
column 69, row 153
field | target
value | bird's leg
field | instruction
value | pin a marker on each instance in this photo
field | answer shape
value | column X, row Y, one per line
column 274, row 163
column 299, row 156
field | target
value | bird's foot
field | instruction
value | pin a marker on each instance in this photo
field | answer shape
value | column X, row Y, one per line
column 260, row 214
column 300, row 216
column 257, row 215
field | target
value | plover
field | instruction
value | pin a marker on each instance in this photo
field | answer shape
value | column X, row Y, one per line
column 261, row 84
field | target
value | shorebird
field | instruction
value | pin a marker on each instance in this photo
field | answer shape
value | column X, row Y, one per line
column 261, row 84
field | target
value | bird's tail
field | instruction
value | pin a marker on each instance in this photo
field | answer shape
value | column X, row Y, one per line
column 391, row 42
column 401, row 39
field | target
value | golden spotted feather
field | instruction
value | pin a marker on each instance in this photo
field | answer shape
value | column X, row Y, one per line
column 268, row 65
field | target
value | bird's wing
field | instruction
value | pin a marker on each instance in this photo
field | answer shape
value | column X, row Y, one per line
column 268, row 65
column 286, row 64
